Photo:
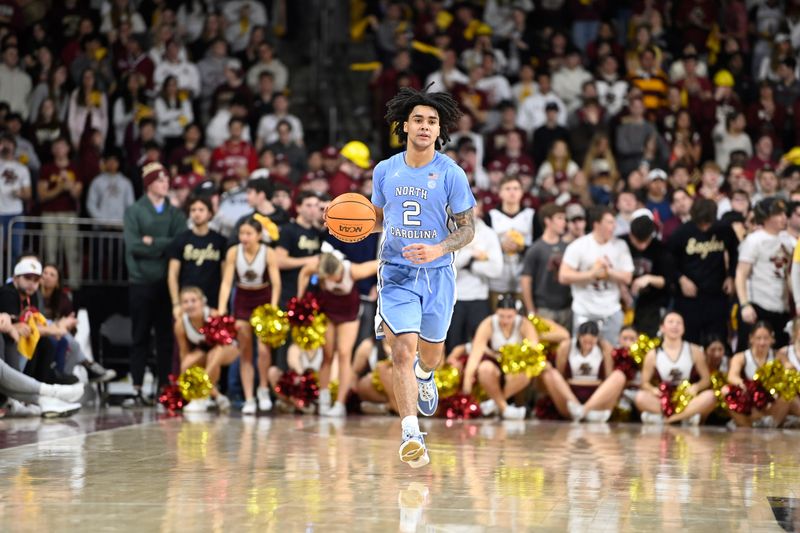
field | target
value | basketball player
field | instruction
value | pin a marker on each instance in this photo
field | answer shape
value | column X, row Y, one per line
column 417, row 194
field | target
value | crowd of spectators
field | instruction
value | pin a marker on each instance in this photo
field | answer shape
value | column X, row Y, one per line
column 627, row 158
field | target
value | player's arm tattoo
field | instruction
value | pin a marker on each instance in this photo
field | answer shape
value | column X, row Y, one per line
column 463, row 234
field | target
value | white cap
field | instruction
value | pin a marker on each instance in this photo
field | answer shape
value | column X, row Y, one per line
column 28, row 266
column 656, row 174
column 642, row 212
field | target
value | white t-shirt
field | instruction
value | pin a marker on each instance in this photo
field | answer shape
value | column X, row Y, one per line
column 14, row 176
column 770, row 256
column 598, row 299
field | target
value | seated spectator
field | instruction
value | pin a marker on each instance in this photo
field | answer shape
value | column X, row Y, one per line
column 494, row 84
column 267, row 62
column 288, row 147
column 173, row 112
column 217, row 127
column 15, row 84
column 240, row 17
column 656, row 197
column 465, row 132
column 558, row 172
column 731, row 137
column 526, row 86
column 87, row 105
column 448, row 76
column 268, row 127
column 93, row 56
column 47, row 128
column 680, row 205
column 497, row 138
column 233, row 88
column 632, row 138
column 763, row 156
column 532, row 112
column 186, row 72
column 569, row 79
column 25, row 152
column 473, row 100
column 548, row 133
column 236, row 156
column 767, row 185
column 651, row 80
column 611, row 89
column 54, row 87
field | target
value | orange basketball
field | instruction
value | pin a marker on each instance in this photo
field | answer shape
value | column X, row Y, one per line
column 350, row 217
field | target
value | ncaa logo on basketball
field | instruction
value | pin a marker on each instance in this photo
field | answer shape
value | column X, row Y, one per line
column 350, row 229
column 432, row 177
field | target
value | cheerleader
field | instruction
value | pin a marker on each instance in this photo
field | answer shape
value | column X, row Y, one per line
column 339, row 299
column 258, row 281
column 584, row 384
column 790, row 357
column 674, row 362
column 194, row 351
column 744, row 366
column 505, row 326
column 372, row 376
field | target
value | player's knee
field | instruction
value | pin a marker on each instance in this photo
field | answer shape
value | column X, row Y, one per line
column 487, row 372
column 403, row 355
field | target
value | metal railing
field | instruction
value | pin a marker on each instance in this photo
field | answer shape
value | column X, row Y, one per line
column 87, row 251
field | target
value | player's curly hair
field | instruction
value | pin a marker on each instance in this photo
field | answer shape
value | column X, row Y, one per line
column 399, row 108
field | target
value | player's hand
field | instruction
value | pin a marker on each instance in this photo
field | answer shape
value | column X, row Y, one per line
column 419, row 253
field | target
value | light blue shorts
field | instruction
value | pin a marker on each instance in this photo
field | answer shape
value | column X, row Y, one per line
column 415, row 300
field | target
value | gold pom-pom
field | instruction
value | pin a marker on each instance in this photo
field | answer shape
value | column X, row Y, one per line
column 376, row 376
column 270, row 325
column 774, row 378
column 312, row 336
column 539, row 324
column 642, row 346
column 718, row 381
column 447, row 379
column 195, row 384
column 523, row 357
column 681, row 397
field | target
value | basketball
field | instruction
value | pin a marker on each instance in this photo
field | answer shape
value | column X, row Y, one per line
column 350, row 217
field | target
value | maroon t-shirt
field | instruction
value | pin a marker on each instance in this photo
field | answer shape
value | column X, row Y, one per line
column 51, row 175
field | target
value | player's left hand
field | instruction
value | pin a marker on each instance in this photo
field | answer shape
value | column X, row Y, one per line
column 419, row 253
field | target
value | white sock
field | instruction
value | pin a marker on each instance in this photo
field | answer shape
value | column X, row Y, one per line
column 421, row 374
column 410, row 425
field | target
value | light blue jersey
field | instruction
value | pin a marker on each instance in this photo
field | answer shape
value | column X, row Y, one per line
column 417, row 203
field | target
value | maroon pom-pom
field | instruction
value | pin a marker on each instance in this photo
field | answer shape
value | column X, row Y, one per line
column 219, row 330
column 738, row 400
column 624, row 363
column 300, row 312
column 459, row 406
column 545, row 409
column 171, row 397
column 667, row 407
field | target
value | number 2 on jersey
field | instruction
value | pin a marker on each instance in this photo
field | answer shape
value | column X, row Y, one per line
column 411, row 209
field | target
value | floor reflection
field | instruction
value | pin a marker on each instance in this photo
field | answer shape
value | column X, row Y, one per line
column 285, row 474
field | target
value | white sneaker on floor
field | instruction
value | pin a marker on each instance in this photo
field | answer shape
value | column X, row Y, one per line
column 575, row 411
column 197, row 406
column 598, row 416
column 249, row 407
column 337, row 411
column 488, row 408
column 53, row 407
column 16, row 408
column 324, row 402
column 652, row 419
column 692, row 421
column 791, row 422
column 512, row 412
column 65, row 393
column 764, row 422
column 373, row 408
column 223, row 403
column 264, row 401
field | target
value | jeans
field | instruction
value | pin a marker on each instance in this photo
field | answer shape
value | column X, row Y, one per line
column 16, row 240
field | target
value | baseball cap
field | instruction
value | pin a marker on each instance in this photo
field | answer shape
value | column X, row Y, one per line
column 26, row 266
column 205, row 189
column 314, row 175
column 180, row 182
column 656, row 174
column 574, row 211
column 330, row 152
column 496, row 166
column 642, row 212
column 525, row 169
column 551, row 106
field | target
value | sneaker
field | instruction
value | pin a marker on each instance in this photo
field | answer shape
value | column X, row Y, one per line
column 512, row 412
column 223, row 403
column 264, row 401
column 63, row 379
column 16, row 408
column 324, row 402
column 428, row 397
column 373, row 408
column 338, row 411
column 98, row 373
column 488, row 408
column 764, row 422
column 652, row 419
column 791, row 422
column 65, row 393
column 413, row 451
column 137, row 400
column 731, row 425
column 599, row 417
column 575, row 411
column 692, row 421
column 54, row 408
column 197, row 406
column 249, row 407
